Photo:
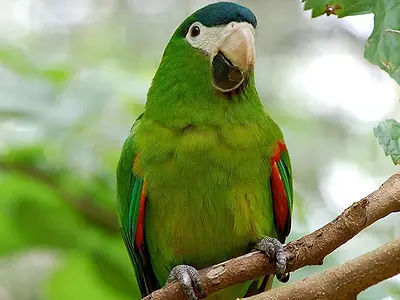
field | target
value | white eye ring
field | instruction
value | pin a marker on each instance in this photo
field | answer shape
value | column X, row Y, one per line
column 195, row 31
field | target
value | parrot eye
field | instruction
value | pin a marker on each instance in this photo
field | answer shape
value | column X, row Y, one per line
column 202, row 37
column 195, row 31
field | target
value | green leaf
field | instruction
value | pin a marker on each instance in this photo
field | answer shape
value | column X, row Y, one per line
column 341, row 8
column 35, row 216
column 388, row 133
column 78, row 279
column 383, row 46
column 18, row 61
column 10, row 237
column 114, row 267
column 50, row 225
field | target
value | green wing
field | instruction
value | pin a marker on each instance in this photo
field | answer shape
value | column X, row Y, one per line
column 285, row 170
column 131, row 214
column 281, row 186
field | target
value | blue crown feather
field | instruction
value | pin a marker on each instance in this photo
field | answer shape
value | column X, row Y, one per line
column 219, row 13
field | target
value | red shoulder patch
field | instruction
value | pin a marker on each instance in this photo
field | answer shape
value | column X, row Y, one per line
column 279, row 198
column 139, row 235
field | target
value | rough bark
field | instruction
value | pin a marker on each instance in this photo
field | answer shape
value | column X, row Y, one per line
column 345, row 281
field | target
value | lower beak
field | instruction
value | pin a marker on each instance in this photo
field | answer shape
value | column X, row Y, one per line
column 239, row 46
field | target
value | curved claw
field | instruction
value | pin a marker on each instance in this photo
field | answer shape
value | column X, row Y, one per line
column 188, row 277
column 275, row 251
column 283, row 278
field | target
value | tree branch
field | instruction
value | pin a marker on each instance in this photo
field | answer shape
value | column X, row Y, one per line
column 345, row 281
column 84, row 206
column 309, row 250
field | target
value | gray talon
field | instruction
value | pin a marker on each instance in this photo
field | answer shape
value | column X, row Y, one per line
column 187, row 276
column 274, row 249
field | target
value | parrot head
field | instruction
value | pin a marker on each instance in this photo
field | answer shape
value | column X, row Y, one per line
column 209, row 56
column 224, row 33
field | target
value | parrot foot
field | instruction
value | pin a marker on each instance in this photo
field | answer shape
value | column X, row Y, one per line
column 275, row 251
column 187, row 277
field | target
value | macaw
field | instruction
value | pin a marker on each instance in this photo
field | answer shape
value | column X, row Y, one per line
column 205, row 174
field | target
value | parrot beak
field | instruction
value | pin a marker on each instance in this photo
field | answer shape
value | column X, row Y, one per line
column 239, row 46
column 234, row 57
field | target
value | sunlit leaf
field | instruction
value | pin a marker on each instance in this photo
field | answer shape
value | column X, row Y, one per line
column 341, row 8
column 383, row 46
column 388, row 133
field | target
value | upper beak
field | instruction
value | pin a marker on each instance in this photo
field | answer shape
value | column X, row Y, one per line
column 238, row 45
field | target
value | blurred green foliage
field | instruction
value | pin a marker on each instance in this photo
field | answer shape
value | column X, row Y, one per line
column 57, row 172
column 45, row 206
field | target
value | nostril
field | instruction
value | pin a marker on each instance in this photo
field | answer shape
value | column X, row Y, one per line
column 232, row 24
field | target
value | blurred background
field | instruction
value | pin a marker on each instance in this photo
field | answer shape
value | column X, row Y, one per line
column 73, row 78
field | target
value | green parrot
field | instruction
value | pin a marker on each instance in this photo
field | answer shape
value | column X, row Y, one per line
column 204, row 175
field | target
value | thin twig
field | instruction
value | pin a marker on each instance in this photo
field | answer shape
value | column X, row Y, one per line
column 392, row 30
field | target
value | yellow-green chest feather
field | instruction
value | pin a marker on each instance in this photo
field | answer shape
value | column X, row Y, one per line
column 207, row 188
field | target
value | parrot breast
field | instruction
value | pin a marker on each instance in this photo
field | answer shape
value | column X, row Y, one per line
column 207, row 189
